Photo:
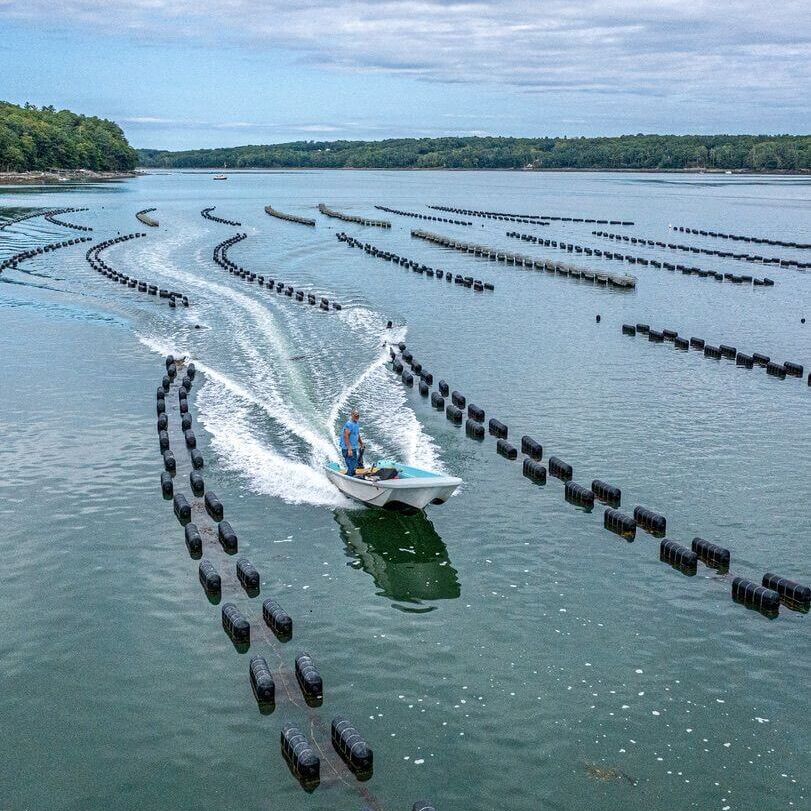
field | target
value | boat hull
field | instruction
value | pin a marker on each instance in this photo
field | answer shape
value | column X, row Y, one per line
column 408, row 494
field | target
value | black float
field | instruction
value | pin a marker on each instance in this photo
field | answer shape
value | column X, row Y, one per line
column 715, row 556
column 497, row 429
column 506, row 450
column 298, row 753
column 534, row 471
column 194, row 543
column 197, row 483
column 235, row 624
column 678, row 556
column 473, row 429
column 209, row 578
column 247, row 575
column 750, row 594
column 607, row 492
column 559, row 469
column 262, row 684
column 227, row 536
column 351, row 746
column 531, row 448
column 454, row 414
column 277, row 619
column 793, row 594
column 620, row 523
column 308, row 677
column 651, row 522
column 206, row 212
column 167, row 484
column 214, row 506
column 475, row 413
column 577, row 494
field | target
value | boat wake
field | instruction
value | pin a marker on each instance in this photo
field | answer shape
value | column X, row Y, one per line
column 279, row 379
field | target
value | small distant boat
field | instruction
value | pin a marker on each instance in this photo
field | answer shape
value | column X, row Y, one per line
column 393, row 486
column 220, row 177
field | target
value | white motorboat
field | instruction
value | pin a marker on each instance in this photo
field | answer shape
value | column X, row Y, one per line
column 394, row 486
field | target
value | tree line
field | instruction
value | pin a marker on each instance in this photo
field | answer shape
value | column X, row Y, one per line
column 41, row 138
column 757, row 153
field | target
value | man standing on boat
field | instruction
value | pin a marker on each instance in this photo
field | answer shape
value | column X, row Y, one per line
column 351, row 443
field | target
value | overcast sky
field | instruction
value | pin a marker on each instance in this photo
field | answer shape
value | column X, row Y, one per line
column 195, row 73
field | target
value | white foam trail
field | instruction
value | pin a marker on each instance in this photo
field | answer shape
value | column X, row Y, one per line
column 241, row 450
column 352, row 320
column 385, row 404
column 274, row 403
column 226, row 413
column 318, row 442
column 389, row 416
column 304, row 401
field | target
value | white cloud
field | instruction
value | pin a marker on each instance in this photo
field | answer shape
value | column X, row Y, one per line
column 739, row 51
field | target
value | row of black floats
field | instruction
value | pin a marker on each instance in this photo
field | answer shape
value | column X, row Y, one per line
column 340, row 215
column 93, row 256
column 280, row 215
column 468, row 282
column 740, row 237
column 206, row 212
column 416, row 215
column 220, row 256
column 618, row 281
column 143, row 216
column 685, row 560
column 747, row 361
column 459, row 410
column 298, row 752
column 676, row 246
column 51, row 212
column 11, row 262
column 529, row 218
column 55, row 220
column 685, row 270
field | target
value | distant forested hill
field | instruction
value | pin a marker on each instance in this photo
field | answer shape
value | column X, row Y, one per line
column 33, row 138
column 747, row 152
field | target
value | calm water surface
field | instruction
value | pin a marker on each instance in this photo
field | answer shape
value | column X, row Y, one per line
column 502, row 652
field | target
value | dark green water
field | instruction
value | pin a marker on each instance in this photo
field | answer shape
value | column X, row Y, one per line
column 502, row 652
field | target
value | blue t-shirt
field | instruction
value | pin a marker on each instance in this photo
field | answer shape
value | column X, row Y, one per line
column 354, row 434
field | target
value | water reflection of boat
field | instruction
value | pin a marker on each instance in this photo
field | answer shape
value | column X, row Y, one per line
column 403, row 553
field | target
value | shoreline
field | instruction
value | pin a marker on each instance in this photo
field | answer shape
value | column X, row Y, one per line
column 54, row 177
column 145, row 170
column 63, row 176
